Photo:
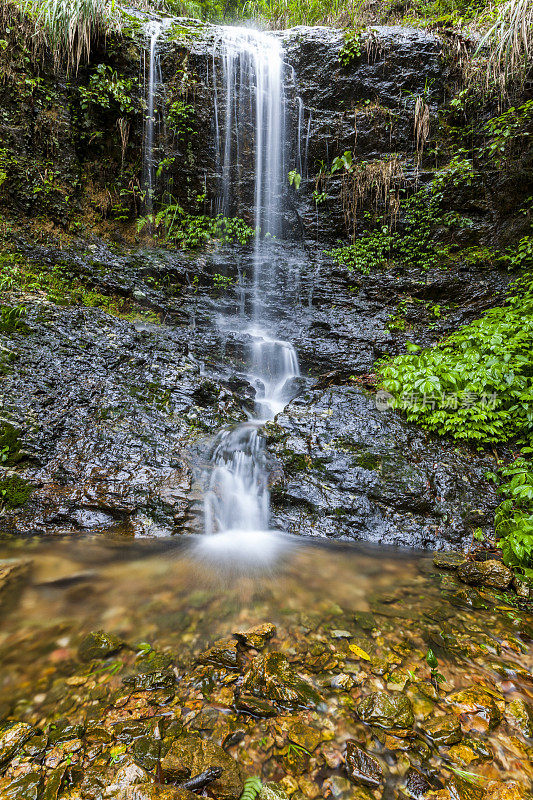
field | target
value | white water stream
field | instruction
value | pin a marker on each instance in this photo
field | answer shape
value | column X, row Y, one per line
column 251, row 105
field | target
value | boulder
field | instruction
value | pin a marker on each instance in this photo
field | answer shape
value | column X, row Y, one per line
column 485, row 573
column 256, row 637
column 444, row 730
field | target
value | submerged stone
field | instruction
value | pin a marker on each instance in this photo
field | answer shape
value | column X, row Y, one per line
column 189, row 756
column 448, row 560
column 98, row 645
column 522, row 714
column 248, row 704
column 27, row 787
column 390, row 711
column 478, row 701
column 256, row 637
column 272, row 676
column 223, row 653
column 443, row 730
column 361, row 767
column 416, row 785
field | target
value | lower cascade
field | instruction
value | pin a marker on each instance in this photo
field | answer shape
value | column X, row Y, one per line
column 253, row 85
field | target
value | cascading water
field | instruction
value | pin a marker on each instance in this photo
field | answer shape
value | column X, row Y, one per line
column 252, row 103
column 153, row 31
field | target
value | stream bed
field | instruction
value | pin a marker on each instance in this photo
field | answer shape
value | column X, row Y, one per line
column 301, row 663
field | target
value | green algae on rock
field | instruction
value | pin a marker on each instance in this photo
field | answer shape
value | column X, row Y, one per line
column 98, row 645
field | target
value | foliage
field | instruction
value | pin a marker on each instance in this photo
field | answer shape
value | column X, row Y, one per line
column 369, row 252
column 287, row 13
column 410, row 245
column 106, row 88
column 14, row 492
column 12, row 319
column 173, row 224
column 180, row 119
column 69, row 27
column 352, row 48
column 514, row 516
column 477, row 384
column 295, row 179
column 510, row 39
column 510, row 132
column 252, row 787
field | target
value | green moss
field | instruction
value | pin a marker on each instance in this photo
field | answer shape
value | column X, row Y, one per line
column 369, row 461
column 14, row 492
column 9, row 445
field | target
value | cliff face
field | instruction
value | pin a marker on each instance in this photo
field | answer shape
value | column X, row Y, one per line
column 119, row 376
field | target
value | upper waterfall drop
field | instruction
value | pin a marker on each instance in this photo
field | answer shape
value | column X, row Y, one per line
column 254, row 102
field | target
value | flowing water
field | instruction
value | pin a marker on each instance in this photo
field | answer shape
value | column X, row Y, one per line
column 252, row 103
column 154, row 29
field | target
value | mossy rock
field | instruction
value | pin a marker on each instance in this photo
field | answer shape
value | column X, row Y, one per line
column 191, row 755
column 9, row 444
column 14, row 492
column 99, row 644
column 272, row 677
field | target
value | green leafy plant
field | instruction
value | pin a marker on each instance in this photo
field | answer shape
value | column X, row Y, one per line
column 477, row 384
column 181, row 120
column 252, row 787
column 352, row 48
column 514, row 516
column 107, row 89
column 172, row 224
column 295, row 179
column 12, row 319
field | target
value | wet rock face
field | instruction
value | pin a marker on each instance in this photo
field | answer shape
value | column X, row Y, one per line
column 108, row 415
column 343, row 468
column 361, row 767
column 362, row 107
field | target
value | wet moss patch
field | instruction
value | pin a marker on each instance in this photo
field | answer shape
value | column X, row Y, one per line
column 14, row 492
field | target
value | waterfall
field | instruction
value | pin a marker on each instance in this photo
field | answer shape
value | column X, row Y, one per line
column 153, row 31
column 250, row 104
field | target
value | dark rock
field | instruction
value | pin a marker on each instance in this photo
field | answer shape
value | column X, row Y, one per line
column 150, row 681
column 146, row 751
column 389, row 711
column 248, row 704
column 272, row 677
column 443, row 730
column 98, row 645
column 416, row 785
column 190, row 756
column 361, row 767
column 424, row 493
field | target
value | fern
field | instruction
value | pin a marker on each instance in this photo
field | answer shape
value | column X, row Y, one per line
column 252, row 787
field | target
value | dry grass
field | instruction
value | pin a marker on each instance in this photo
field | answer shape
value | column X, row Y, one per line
column 511, row 41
